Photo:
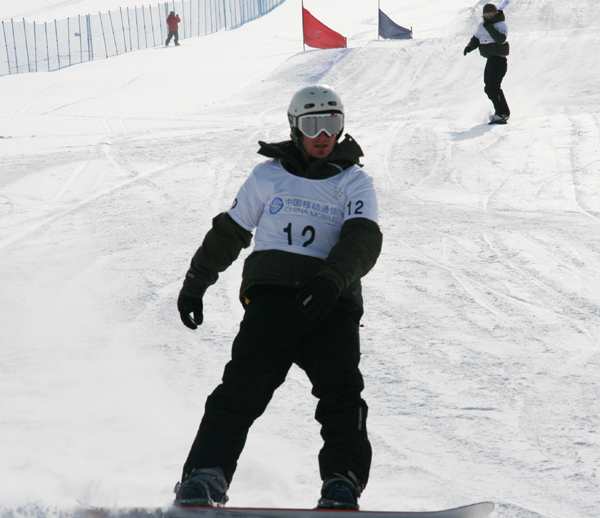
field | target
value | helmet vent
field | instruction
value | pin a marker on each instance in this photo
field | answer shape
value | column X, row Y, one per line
column 309, row 105
column 332, row 103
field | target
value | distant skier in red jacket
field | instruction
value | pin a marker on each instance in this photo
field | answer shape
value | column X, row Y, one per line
column 173, row 23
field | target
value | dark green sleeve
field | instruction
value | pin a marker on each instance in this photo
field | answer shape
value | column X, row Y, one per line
column 355, row 253
column 473, row 43
column 221, row 246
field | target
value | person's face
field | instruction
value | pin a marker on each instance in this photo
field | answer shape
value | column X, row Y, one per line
column 319, row 147
column 489, row 15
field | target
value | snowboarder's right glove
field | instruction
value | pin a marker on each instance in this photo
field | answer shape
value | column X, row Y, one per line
column 189, row 302
column 190, row 310
column 468, row 49
column 318, row 298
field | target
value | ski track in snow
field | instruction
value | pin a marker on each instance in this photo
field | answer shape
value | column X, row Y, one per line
column 482, row 324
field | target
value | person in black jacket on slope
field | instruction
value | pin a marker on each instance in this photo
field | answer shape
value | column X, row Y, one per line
column 314, row 211
column 490, row 39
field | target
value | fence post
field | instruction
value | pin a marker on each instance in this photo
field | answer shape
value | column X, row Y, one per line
column 129, row 25
column 112, row 28
column 183, row 14
column 190, row 18
column 207, row 20
column 69, row 38
column 26, row 46
column 137, row 27
column 103, row 35
column 12, row 26
column 160, row 23
column 145, row 30
column 6, row 46
column 35, row 45
column 87, row 39
column 57, row 47
column 152, row 25
column 80, row 39
column 90, row 37
column 123, row 27
column 79, row 33
column 222, row 15
column 47, row 48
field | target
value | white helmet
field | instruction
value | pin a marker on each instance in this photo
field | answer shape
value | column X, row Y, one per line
column 315, row 99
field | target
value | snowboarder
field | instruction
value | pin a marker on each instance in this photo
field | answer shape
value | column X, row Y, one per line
column 173, row 23
column 315, row 214
column 490, row 38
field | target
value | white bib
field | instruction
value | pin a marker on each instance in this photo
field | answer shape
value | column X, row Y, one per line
column 484, row 36
column 299, row 215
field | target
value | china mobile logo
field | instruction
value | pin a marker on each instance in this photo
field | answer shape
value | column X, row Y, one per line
column 276, row 206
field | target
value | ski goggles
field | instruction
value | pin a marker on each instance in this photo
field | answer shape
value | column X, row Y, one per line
column 314, row 124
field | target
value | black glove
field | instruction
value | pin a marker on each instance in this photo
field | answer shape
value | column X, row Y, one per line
column 318, row 298
column 467, row 50
column 188, row 305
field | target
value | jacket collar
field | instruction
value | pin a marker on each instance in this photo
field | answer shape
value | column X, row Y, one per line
column 345, row 154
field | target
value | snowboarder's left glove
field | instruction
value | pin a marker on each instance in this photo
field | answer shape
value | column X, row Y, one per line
column 318, row 298
column 190, row 310
column 468, row 49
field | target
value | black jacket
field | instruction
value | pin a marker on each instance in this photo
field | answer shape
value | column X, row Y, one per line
column 500, row 47
column 349, row 260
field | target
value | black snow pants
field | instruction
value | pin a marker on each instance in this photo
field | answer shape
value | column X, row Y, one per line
column 495, row 70
column 274, row 335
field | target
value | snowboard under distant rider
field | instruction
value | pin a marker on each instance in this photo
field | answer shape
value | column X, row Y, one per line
column 490, row 38
column 314, row 211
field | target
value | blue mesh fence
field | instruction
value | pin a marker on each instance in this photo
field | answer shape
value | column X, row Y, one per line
column 39, row 47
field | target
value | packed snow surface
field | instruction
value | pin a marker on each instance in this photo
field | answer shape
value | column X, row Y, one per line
column 481, row 337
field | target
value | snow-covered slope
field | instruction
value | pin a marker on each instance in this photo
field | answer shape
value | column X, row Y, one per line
column 482, row 326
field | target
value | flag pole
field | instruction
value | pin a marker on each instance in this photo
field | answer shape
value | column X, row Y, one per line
column 303, row 43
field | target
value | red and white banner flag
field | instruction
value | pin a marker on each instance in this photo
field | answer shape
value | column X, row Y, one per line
column 318, row 35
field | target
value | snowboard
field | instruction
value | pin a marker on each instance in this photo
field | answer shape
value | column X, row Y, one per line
column 501, row 121
column 479, row 510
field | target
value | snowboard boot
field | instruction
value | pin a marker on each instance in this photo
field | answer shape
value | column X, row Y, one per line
column 499, row 119
column 340, row 492
column 202, row 488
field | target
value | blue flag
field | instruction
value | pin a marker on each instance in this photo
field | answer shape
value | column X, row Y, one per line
column 390, row 30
